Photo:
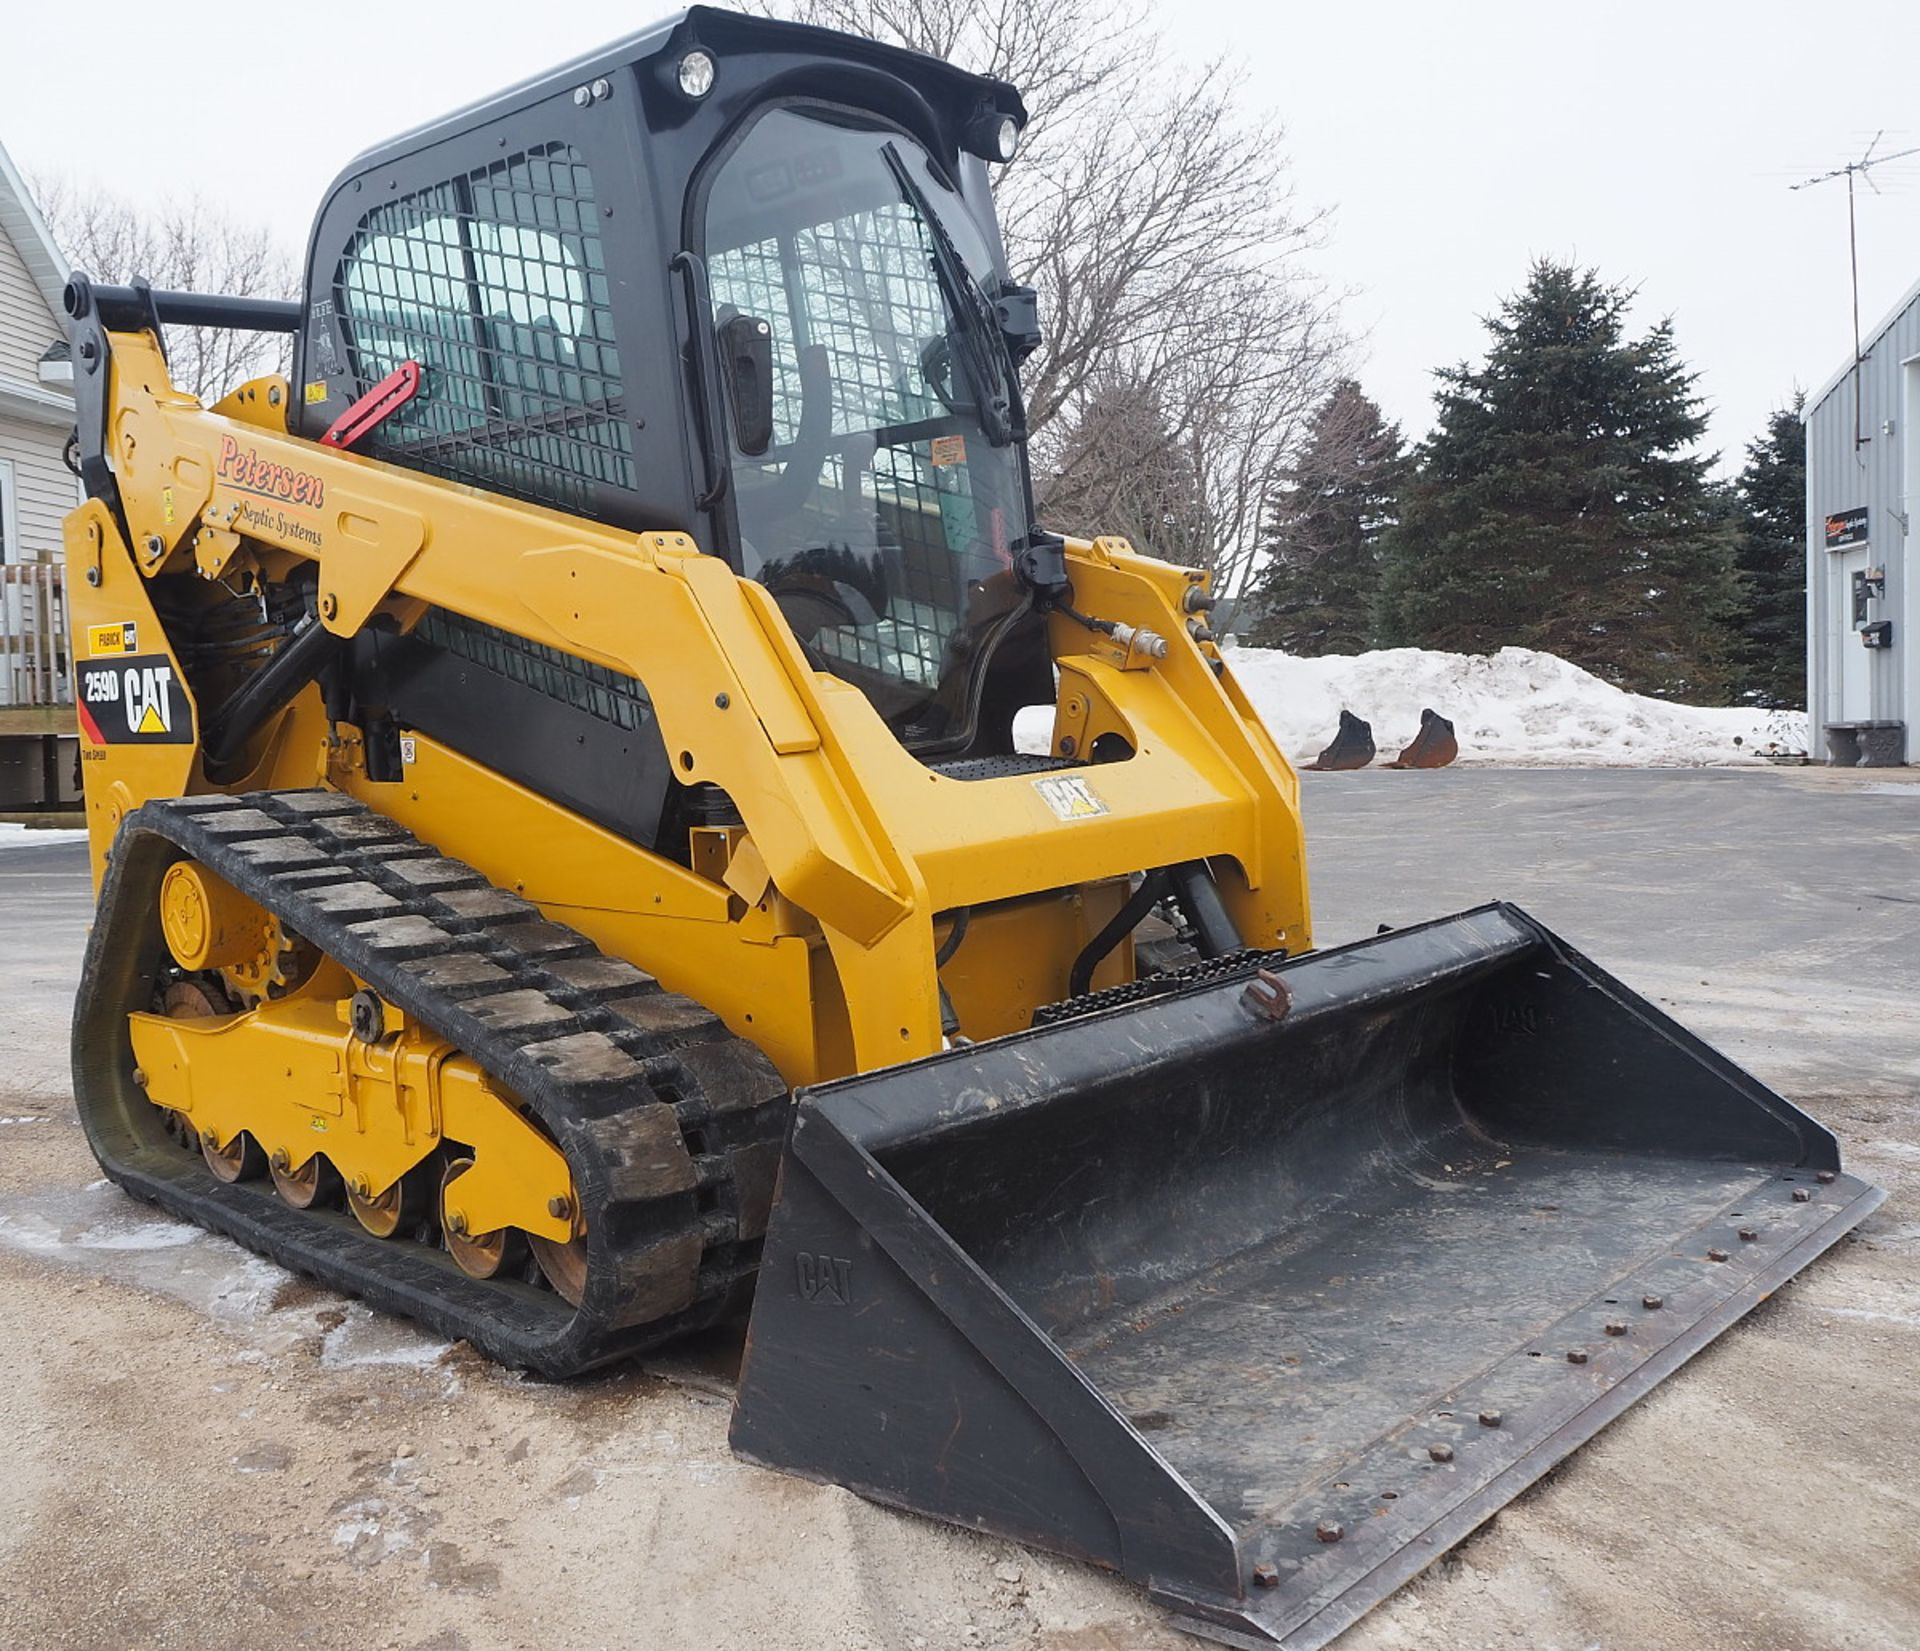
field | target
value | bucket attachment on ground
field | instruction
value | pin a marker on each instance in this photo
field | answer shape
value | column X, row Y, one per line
column 1352, row 746
column 1433, row 747
column 1268, row 1290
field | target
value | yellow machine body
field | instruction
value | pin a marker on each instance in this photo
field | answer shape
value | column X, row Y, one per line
column 812, row 929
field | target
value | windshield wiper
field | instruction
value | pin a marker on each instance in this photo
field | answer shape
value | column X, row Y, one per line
column 992, row 378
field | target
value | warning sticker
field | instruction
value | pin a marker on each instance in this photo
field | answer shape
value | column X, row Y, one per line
column 133, row 701
column 316, row 390
column 123, row 638
column 949, row 450
column 1069, row 796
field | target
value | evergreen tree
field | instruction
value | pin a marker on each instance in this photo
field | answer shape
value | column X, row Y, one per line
column 1558, row 503
column 1316, row 592
column 1772, row 560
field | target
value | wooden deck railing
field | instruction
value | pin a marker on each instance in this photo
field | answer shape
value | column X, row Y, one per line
column 34, row 668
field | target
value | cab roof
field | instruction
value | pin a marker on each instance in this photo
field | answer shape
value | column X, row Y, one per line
column 719, row 31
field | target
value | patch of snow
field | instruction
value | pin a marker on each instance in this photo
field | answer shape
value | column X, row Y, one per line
column 1868, row 1315
column 350, row 1533
column 43, row 1235
column 102, row 1232
column 365, row 1337
column 98, row 1230
column 20, row 836
column 372, row 1530
column 32, row 1120
column 1514, row 706
column 32, row 1237
column 148, row 1235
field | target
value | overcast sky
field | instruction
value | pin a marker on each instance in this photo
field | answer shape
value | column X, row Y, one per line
column 1454, row 143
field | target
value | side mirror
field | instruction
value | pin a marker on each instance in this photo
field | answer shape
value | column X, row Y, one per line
column 1017, row 309
column 746, row 362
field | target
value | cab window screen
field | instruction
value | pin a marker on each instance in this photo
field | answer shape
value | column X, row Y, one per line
column 495, row 282
column 863, row 293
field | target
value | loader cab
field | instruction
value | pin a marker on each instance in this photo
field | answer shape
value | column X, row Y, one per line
column 734, row 278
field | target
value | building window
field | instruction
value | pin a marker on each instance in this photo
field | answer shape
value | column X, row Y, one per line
column 495, row 282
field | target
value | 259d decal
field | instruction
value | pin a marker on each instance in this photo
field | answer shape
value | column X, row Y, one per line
column 136, row 701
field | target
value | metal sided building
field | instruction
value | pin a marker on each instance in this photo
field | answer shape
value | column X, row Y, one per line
column 1863, row 550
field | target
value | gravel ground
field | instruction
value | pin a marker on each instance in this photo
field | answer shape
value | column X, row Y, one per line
column 206, row 1453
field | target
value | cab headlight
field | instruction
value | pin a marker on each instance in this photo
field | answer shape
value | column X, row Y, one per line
column 993, row 136
column 695, row 74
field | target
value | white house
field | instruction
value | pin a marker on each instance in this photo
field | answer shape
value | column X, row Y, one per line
column 36, row 492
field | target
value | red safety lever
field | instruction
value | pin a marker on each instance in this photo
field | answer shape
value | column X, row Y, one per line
column 380, row 403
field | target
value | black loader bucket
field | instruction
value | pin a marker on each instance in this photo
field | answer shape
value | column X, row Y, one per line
column 1352, row 746
column 1266, row 1292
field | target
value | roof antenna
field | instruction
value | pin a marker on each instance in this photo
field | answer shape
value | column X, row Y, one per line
column 1862, row 168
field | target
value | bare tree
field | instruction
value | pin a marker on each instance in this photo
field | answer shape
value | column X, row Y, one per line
column 1186, row 338
column 186, row 245
column 1133, row 471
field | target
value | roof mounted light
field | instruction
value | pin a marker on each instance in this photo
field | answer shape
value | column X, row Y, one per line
column 694, row 74
column 993, row 136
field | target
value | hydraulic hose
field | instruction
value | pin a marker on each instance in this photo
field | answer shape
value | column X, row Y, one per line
column 305, row 654
column 1122, row 923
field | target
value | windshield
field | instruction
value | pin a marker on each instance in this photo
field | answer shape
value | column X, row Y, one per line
column 882, row 512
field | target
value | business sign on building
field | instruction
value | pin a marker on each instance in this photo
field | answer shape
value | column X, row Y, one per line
column 1847, row 527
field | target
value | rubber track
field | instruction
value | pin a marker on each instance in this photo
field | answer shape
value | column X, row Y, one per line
column 671, row 1125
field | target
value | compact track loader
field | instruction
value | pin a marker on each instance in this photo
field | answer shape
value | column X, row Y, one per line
column 563, row 856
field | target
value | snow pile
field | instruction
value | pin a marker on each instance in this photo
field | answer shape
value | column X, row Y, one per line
column 1514, row 706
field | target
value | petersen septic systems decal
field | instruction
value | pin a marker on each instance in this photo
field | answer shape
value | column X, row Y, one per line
column 243, row 468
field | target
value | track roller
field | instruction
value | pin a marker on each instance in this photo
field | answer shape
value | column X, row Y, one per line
column 564, row 1266
column 478, row 1255
column 238, row 1160
column 314, row 1185
column 398, row 1210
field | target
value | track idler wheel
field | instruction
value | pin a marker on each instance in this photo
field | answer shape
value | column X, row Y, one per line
column 478, row 1255
column 193, row 1000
